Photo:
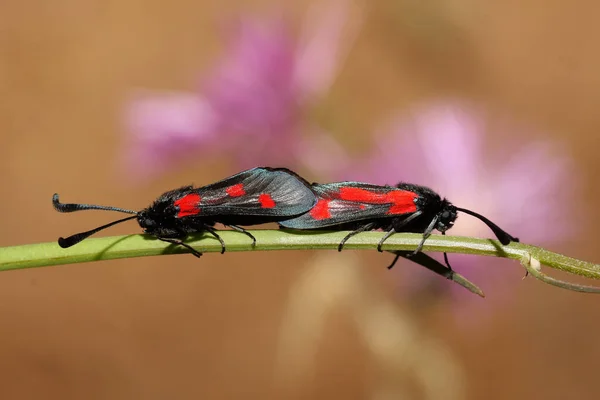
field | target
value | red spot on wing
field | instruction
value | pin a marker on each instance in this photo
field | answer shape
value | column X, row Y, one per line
column 321, row 210
column 402, row 201
column 236, row 190
column 266, row 201
column 188, row 205
column 362, row 195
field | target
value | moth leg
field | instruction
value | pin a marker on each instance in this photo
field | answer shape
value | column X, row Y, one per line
column 398, row 255
column 447, row 262
column 426, row 235
column 363, row 228
column 383, row 239
column 245, row 232
column 213, row 232
column 398, row 227
column 180, row 242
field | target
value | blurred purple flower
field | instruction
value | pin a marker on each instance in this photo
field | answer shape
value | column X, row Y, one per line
column 251, row 105
column 521, row 187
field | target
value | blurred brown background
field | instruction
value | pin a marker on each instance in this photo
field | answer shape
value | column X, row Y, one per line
column 173, row 327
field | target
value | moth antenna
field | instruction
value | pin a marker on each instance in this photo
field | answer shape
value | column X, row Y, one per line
column 78, row 237
column 72, row 207
column 502, row 235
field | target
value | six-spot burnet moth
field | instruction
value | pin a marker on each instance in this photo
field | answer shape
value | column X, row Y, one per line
column 255, row 196
column 362, row 207
column 262, row 195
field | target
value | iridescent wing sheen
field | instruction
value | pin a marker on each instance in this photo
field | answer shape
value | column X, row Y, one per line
column 271, row 192
column 345, row 202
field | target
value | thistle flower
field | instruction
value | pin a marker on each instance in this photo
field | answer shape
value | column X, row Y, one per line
column 250, row 106
column 522, row 186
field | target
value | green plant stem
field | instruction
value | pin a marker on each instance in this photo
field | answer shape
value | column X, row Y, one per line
column 109, row 248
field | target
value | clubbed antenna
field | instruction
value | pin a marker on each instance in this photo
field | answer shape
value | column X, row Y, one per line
column 502, row 235
column 78, row 237
column 71, row 207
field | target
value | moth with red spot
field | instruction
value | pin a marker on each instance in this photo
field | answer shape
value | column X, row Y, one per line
column 255, row 196
column 363, row 207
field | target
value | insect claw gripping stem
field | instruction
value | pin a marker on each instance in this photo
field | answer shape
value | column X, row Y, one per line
column 345, row 239
column 426, row 234
column 245, row 232
column 180, row 242
column 357, row 231
column 387, row 235
column 213, row 232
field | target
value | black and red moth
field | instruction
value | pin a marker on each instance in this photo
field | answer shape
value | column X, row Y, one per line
column 362, row 207
column 255, row 196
